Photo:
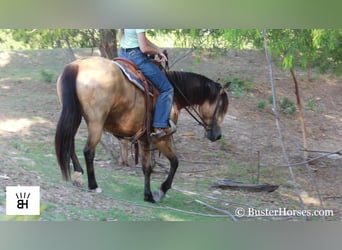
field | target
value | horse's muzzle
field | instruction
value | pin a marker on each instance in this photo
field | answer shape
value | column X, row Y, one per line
column 213, row 134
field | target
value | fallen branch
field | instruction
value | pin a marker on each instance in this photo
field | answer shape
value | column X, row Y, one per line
column 338, row 152
column 225, row 184
column 310, row 160
column 166, row 169
column 194, row 171
column 200, row 162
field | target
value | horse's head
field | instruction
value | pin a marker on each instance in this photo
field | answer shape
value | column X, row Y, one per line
column 213, row 114
column 207, row 97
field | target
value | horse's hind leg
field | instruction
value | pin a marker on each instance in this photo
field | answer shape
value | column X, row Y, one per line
column 76, row 176
column 94, row 136
column 147, row 170
column 165, row 147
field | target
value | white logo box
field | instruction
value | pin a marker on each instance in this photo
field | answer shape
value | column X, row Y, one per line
column 22, row 200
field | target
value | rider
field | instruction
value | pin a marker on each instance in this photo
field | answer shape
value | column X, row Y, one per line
column 134, row 45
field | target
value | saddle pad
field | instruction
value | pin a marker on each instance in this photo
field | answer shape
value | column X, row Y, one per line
column 132, row 78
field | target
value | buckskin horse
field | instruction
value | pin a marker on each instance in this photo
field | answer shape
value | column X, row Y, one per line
column 96, row 89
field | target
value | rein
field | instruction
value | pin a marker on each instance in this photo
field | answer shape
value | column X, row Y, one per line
column 197, row 117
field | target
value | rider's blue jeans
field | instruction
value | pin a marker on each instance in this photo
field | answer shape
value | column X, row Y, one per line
column 156, row 76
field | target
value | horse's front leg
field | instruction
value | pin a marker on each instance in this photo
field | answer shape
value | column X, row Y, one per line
column 147, row 170
column 123, row 152
column 165, row 147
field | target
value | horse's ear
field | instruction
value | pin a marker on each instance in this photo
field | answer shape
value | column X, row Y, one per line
column 226, row 85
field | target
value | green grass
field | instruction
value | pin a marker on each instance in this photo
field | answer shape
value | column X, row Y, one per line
column 47, row 76
column 117, row 185
column 36, row 101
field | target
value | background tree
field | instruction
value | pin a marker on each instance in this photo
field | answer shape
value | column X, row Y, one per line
column 108, row 43
column 306, row 48
column 105, row 40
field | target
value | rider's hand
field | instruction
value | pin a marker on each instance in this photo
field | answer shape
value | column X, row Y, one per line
column 162, row 57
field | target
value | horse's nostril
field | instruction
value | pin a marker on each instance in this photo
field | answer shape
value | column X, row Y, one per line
column 219, row 137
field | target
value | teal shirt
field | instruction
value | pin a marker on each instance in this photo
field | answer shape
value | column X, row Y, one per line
column 130, row 38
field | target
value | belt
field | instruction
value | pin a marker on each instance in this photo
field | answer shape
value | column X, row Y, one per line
column 129, row 49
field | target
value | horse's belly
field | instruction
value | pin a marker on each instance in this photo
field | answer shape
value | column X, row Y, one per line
column 124, row 126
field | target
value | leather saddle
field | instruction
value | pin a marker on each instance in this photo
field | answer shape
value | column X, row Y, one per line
column 137, row 78
column 134, row 75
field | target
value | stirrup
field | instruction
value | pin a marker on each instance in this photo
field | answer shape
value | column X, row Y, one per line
column 161, row 132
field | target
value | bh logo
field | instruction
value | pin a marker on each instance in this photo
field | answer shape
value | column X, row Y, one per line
column 22, row 200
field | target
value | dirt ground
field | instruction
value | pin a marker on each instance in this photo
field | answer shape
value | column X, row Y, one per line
column 250, row 135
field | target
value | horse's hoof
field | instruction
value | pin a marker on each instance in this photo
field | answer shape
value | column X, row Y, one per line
column 96, row 190
column 158, row 195
column 148, row 199
column 76, row 179
column 77, row 184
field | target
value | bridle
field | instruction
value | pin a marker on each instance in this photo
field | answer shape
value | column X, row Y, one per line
column 192, row 111
column 196, row 115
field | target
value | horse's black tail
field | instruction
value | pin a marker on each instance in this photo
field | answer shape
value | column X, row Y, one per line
column 69, row 120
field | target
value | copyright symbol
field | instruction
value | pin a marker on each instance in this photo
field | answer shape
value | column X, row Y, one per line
column 239, row 212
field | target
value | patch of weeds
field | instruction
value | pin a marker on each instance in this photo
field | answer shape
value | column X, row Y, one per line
column 311, row 104
column 261, row 105
column 46, row 76
column 314, row 106
column 19, row 145
column 240, row 87
column 287, row 106
column 223, row 142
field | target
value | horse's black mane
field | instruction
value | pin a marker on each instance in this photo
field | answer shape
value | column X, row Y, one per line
column 197, row 88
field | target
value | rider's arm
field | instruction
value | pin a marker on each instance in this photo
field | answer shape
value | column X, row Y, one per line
column 146, row 46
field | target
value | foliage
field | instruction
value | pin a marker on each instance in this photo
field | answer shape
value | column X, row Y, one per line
column 47, row 77
column 305, row 48
column 52, row 38
column 261, row 104
column 314, row 106
column 239, row 86
column 287, row 106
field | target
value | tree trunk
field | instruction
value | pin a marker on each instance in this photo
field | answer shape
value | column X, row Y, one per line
column 301, row 113
column 108, row 43
column 70, row 52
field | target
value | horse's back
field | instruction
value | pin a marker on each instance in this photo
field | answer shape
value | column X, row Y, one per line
column 107, row 97
column 92, row 69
